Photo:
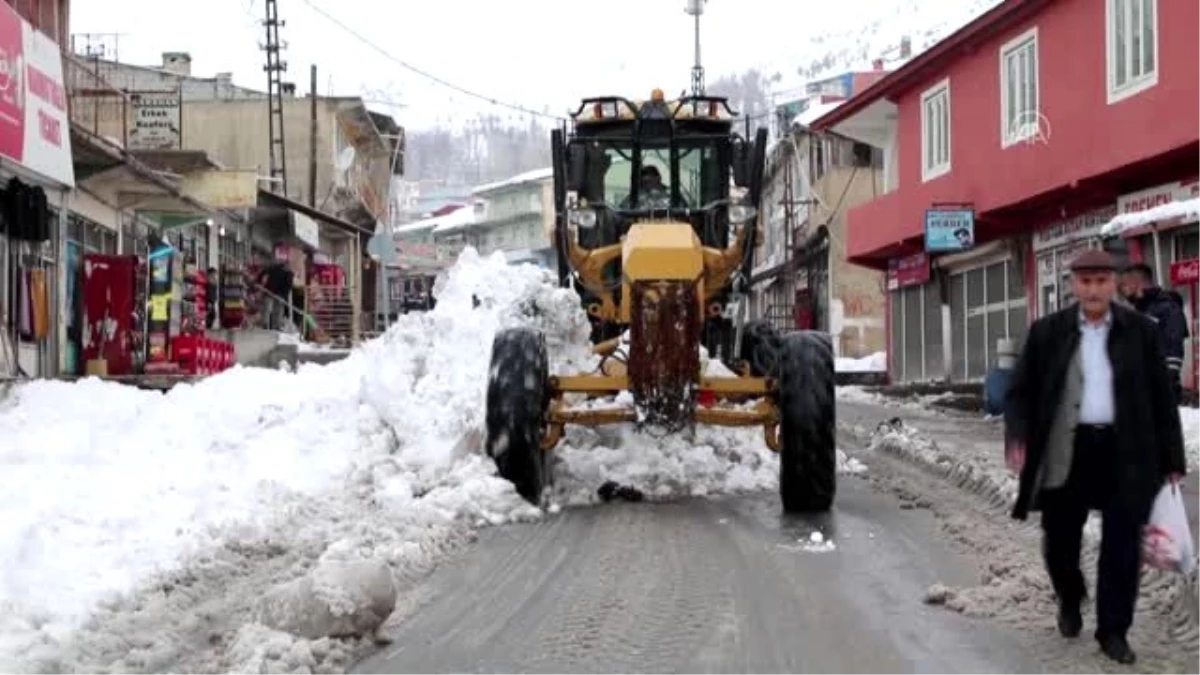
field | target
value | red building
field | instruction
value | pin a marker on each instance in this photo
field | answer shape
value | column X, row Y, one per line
column 1007, row 147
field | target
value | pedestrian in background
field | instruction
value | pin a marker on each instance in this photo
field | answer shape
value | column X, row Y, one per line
column 1091, row 424
column 1165, row 308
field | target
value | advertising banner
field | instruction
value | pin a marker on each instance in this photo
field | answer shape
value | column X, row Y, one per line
column 34, row 126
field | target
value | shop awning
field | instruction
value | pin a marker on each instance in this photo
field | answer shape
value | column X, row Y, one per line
column 268, row 198
column 131, row 182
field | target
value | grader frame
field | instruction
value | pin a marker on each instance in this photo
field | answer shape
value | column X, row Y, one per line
column 669, row 265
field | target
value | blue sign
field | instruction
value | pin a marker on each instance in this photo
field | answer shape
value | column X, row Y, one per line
column 949, row 230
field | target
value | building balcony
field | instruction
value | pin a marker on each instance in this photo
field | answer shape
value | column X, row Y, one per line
column 874, row 234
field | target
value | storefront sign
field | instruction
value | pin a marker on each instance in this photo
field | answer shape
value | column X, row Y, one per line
column 949, row 230
column 34, row 127
column 156, row 120
column 1146, row 199
column 306, row 229
column 912, row 270
column 1185, row 272
column 1073, row 230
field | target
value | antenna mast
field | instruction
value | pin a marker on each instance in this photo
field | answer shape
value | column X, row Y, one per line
column 695, row 8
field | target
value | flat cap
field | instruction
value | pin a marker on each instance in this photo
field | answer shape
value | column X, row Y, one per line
column 1094, row 260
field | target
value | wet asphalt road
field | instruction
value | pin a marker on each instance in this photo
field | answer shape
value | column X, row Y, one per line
column 722, row 585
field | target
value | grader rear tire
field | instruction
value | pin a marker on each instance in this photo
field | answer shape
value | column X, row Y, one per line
column 808, row 422
column 517, row 396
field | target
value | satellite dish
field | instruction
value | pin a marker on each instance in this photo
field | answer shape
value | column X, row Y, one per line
column 345, row 158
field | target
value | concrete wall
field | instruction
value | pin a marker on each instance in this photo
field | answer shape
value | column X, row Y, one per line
column 235, row 133
column 141, row 78
column 857, row 304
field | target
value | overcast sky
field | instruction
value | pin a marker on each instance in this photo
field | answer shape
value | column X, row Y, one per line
column 535, row 53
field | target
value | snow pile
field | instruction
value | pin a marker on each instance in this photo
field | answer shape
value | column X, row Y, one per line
column 897, row 437
column 853, row 393
column 1188, row 209
column 240, row 483
column 875, row 363
column 239, row 523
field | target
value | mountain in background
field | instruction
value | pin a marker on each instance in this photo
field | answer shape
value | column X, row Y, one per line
column 491, row 147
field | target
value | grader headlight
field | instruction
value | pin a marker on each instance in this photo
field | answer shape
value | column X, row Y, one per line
column 740, row 214
column 583, row 218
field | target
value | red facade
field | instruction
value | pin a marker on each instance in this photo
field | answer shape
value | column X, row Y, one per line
column 1090, row 150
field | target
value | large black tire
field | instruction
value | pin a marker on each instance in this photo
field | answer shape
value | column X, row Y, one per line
column 808, row 456
column 517, row 396
column 760, row 348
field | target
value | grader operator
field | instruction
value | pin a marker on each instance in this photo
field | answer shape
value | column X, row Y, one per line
column 656, row 220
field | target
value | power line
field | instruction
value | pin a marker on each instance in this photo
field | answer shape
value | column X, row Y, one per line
column 426, row 74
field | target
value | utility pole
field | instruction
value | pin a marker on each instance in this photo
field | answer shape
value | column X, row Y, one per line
column 695, row 8
column 275, row 69
column 789, row 234
column 312, row 139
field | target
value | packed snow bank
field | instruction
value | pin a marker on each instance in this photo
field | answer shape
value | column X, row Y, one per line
column 237, row 523
column 1188, row 209
column 875, row 363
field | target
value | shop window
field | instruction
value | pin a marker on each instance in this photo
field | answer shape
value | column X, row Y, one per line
column 1019, row 94
column 935, row 131
column 958, row 319
column 1187, row 244
column 1132, row 37
column 934, row 359
column 986, row 305
column 896, row 337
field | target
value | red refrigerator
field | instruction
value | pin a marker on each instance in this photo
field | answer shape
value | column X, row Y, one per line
column 111, row 317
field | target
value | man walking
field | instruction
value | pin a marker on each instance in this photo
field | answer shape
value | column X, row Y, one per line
column 1165, row 308
column 1091, row 423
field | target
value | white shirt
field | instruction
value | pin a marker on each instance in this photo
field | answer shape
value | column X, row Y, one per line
column 1096, row 405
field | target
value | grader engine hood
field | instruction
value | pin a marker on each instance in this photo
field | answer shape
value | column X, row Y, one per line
column 663, row 265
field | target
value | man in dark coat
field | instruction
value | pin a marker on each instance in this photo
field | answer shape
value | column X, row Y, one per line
column 1091, row 423
column 1165, row 308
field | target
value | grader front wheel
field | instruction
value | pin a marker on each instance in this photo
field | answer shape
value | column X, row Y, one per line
column 808, row 422
column 517, row 397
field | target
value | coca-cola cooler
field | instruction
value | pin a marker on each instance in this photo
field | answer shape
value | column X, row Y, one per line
column 111, row 316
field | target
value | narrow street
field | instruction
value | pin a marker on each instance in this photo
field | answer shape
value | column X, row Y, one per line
column 730, row 585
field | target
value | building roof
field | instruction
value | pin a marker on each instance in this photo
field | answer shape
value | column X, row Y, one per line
column 455, row 220
column 528, row 177
column 816, row 111
column 932, row 60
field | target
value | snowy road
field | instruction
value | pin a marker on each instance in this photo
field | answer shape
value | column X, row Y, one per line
column 725, row 585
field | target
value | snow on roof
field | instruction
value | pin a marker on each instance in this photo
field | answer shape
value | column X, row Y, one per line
column 815, row 112
column 456, row 219
column 1188, row 208
column 527, row 177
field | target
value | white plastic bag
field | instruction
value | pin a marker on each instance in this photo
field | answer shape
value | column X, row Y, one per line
column 1167, row 542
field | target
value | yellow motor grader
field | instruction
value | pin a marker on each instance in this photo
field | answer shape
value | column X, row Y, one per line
column 656, row 206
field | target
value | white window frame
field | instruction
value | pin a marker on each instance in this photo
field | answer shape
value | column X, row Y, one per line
column 1134, row 84
column 930, row 167
column 1026, row 123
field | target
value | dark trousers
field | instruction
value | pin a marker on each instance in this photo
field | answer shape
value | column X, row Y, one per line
column 1091, row 485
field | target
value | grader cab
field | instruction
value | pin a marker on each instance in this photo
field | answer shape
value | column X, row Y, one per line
column 656, row 222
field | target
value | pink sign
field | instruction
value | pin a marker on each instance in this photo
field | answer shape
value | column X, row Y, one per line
column 1185, row 272
column 34, row 125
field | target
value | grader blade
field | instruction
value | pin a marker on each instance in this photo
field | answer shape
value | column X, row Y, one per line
column 664, row 360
